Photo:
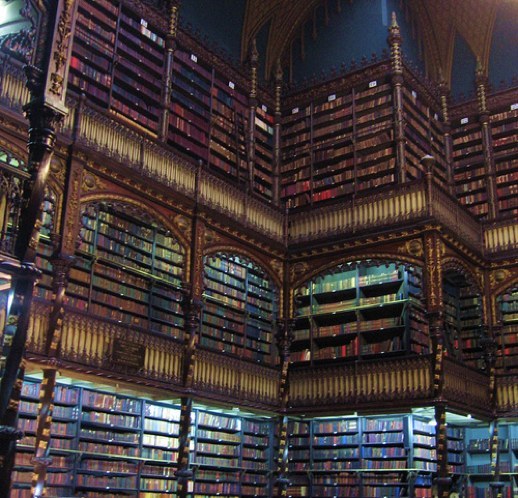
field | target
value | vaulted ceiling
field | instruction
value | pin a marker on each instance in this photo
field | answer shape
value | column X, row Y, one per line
column 438, row 22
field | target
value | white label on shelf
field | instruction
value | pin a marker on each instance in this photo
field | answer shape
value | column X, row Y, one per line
column 464, row 120
column 231, row 84
column 372, row 84
column 435, row 116
column 295, row 110
column 331, row 97
column 414, row 94
column 264, row 108
column 143, row 22
column 514, row 106
column 194, row 58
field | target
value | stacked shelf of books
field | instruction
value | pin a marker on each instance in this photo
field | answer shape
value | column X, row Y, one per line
column 469, row 165
column 256, row 458
column 338, row 144
column 481, row 461
column 190, row 114
column 424, row 136
column 299, row 454
column 109, row 442
column 239, row 309
column 463, row 319
column 264, row 145
column 135, row 89
column 508, row 338
column 504, row 130
column 159, row 448
column 112, row 445
column 91, row 65
column 63, row 434
column 358, row 310
column 128, row 270
column 456, row 450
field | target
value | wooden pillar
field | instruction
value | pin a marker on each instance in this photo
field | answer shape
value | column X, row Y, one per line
column 46, row 82
column 276, row 188
column 284, row 338
column 170, row 47
column 191, row 305
column 62, row 260
column 487, row 142
column 252, row 105
column 394, row 40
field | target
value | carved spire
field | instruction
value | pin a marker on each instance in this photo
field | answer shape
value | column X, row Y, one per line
column 254, row 59
column 395, row 40
column 481, row 80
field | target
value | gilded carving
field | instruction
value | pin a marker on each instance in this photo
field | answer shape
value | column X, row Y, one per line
column 297, row 270
column 60, row 54
column 72, row 213
column 498, row 276
column 91, row 182
column 182, row 223
column 57, row 169
column 413, row 247
column 211, row 237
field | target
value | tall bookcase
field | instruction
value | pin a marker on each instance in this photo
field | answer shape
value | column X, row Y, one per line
column 129, row 269
column 239, row 308
column 108, row 445
column 118, row 62
column 359, row 310
column 504, row 130
column 463, row 320
column 355, row 456
column 481, row 461
column 508, row 338
column 339, row 144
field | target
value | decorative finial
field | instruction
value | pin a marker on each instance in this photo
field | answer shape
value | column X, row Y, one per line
column 394, row 41
column 254, row 54
column 278, row 70
column 393, row 23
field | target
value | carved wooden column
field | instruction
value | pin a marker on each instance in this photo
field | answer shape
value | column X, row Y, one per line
column 487, row 142
column 191, row 305
column 167, row 83
column 276, row 188
column 433, row 274
column 448, row 141
column 394, row 40
column 46, row 81
column 284, row 337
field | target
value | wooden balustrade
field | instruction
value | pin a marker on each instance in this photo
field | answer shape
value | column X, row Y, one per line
column 465, row 385
column 92, row 342
column 225, row 376
column 501, row 236
column 507, row 395
column 407, row 379
column 13, row 91
column 455, row 217
column 396, row 205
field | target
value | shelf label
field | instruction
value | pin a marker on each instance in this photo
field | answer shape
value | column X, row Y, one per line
column 464, row 120
column 414, row 94
column 331, row 97
column 372, row 84
column 264, row 108
column 514, row 107
column 231, row 84
column 194, row 58
column 295, row 110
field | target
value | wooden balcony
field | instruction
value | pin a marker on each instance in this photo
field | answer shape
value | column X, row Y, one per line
column 118, row 351
column 375, row 385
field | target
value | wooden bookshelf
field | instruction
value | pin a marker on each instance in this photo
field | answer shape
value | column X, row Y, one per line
column 508, row 337
column 128, row 270
column 455, row 436
column 239, row 309
column 359, row 311
column 469, row 167
column 463, row 321
column 336, row 145
column 504, row 131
